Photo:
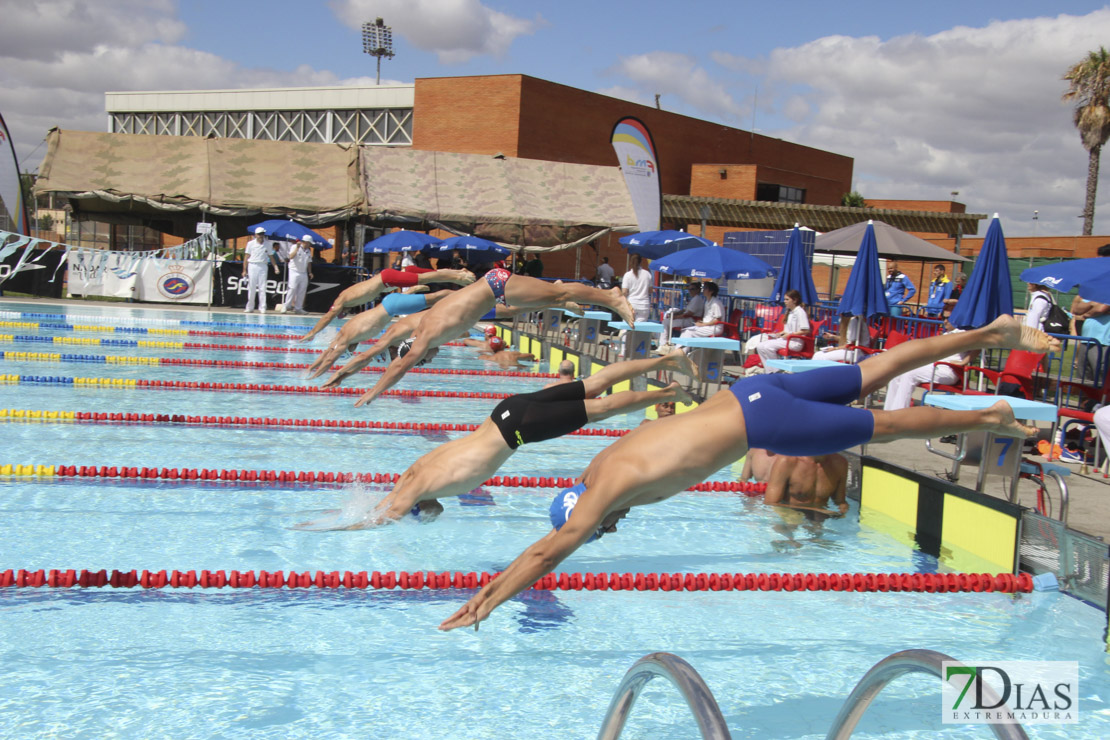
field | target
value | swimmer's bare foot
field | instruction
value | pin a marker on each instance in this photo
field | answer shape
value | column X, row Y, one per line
column 1000, row 420
column 679, row 394
column 680, row 362
column 1007, row 332
column 570, row 307
column 620, row 304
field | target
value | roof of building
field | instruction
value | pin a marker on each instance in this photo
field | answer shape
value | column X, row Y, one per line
column 756, row 214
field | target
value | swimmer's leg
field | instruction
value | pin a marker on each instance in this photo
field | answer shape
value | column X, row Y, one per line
column 1005, row 332
column 625, row 401
column 610, row 375
column 926, row 422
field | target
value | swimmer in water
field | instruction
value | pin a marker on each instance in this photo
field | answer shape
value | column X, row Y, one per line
column 802, row 414
column 463, row 464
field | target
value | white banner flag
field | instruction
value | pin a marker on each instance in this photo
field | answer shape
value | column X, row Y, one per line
column 636, row 154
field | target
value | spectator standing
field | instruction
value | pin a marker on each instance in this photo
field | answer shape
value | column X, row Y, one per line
column 1040, row 301
column 940, row 290
column 899, row 288
column 255, row 257
column 300, row 272
column 533, row 267
column 636, row 286
column 605, row 274
column 957, row 291
column 1096, row 326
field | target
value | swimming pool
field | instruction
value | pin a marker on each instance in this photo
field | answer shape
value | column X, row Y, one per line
column 337, row 663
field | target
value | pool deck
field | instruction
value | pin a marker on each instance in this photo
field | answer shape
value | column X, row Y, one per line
column 1089, row 492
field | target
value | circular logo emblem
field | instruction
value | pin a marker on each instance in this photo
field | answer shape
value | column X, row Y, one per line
column 175, row 285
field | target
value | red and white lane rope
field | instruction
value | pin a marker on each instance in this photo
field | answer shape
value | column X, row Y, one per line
column 850, row 582
column 292, row 477
column 99, row 417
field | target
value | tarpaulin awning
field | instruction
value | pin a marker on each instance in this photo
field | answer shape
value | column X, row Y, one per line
column 222, row 177
column 506, row 199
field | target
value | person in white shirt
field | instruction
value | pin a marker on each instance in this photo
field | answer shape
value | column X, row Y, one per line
column 797, row 322
column 857, row 333
column 712, row 321
column 300, row 272
column 1040, row 301
column 899, row 392
column 681, row 318
column 257, row 254
column 636, row 286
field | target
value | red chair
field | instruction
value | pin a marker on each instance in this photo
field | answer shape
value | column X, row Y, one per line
column 732, row 326
column 809, row 340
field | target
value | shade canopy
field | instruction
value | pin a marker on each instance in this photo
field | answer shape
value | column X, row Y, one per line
column 714, row 263
column 279, row 228
column 400, row 241
column 890, row 242
column 656, row 244
column 864, row 294
column 795, row 273
column 1091, row 275
column 988, row 293
column 474, row 249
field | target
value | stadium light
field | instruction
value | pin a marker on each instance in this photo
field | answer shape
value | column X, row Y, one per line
column 377, row 41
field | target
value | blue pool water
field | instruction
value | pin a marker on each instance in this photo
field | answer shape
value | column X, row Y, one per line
column 207, row 663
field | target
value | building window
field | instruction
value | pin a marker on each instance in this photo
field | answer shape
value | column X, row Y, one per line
column 779, row 193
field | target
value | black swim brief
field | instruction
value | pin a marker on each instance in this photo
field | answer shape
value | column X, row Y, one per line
column 545, row 414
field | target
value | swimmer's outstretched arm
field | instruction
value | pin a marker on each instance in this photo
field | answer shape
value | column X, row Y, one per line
column 356, row 363
column 532, row 564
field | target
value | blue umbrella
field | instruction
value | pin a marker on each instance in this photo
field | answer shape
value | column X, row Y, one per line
column 400, row 241
column 279, row 228
column 864, row 294
column 656, row 244
column 475, row 249
column 988, row 293
column 1091, row 275
column 713, row 262
column 795, row 273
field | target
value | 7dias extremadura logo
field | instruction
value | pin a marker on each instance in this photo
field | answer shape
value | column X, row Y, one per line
column 1011, row 692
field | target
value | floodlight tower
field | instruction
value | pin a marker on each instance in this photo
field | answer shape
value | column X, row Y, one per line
column 377, row 41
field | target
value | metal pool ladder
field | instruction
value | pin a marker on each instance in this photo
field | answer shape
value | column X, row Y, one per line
column 711, row 722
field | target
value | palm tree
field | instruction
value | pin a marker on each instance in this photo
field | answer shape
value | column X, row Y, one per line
column 1089, row 89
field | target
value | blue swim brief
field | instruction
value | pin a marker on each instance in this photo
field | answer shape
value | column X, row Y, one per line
column 564, row 504
column 497, row 278
column 400, row 304
column 804, row 413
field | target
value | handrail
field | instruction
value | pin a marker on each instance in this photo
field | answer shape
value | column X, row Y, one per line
column 698, row 697
column 890, row 668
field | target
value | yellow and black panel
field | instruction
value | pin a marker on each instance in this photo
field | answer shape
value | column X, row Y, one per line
column 966, row 530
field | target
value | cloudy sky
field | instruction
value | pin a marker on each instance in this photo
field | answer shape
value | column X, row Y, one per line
column 949, row 96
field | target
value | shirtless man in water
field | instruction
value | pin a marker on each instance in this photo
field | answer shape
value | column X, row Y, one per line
column 368, row 323
column 498, row 353
column 385, row 280
column 463, row 464
column 463, row 308
column 655, row 461
column 808, row 482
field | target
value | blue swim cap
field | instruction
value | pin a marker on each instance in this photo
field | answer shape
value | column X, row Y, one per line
column 564, row 503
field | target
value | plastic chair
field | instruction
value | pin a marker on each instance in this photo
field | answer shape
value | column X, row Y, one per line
column 1019, row 369
column 809, row 340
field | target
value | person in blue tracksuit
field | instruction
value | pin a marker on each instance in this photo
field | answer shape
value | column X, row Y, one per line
column 940, row 290
column 899, row 289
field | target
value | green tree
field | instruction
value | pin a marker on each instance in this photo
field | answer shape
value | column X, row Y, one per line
column 853, row 200
column 1089, row 89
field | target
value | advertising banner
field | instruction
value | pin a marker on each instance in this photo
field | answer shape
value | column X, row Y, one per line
column 326, row 284
column 636, row 154
column 126, row 275
column 38, row 275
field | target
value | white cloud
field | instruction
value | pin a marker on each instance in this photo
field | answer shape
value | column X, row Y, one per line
column 627, row 93
column 678, row 76
column 455, row 30
column 61, row 81
column 975, row 110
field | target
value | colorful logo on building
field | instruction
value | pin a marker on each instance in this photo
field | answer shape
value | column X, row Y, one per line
column 175, row 284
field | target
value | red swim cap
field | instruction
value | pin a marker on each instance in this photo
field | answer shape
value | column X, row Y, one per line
column 496, row 344
column 491, row 330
